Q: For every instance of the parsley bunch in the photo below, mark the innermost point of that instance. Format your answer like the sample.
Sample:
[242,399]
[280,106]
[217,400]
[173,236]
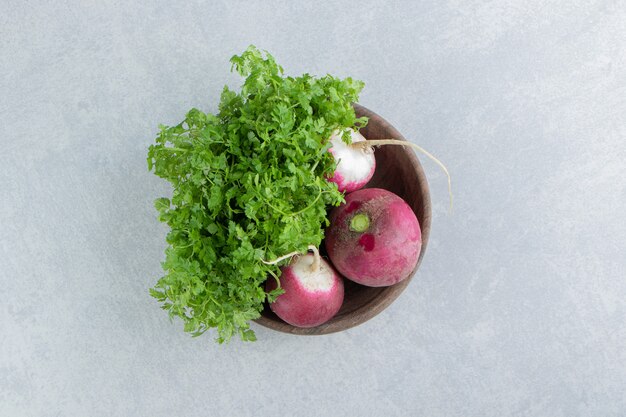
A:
[248,184]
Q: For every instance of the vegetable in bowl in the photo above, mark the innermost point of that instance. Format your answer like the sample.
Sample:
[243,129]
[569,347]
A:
[248,183]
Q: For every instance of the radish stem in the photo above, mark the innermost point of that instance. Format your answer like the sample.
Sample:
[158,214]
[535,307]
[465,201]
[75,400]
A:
[282,258]
[315,266]
[360,223]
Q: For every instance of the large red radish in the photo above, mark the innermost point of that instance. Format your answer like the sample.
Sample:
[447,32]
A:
[313,291]
[374,238]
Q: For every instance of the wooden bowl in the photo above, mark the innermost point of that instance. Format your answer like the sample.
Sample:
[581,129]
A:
[399,171]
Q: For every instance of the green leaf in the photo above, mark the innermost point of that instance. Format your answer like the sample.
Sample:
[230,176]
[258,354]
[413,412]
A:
[162,204]
[248,336]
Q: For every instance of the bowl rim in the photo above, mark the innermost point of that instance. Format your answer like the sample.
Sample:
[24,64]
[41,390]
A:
[388,295]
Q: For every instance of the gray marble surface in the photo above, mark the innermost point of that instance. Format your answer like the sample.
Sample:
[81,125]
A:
[519,307]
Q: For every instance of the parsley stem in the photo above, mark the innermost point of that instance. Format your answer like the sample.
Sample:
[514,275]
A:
[275,277]
[277,209]
[299,211]
[174,149]
[319,194]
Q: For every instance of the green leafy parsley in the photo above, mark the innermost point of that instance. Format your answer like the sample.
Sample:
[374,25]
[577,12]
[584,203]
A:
[248,184]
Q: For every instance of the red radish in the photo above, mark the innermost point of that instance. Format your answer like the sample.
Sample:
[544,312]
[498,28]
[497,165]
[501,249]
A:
[355,167]
[374,238]
[356,162]
[313,291]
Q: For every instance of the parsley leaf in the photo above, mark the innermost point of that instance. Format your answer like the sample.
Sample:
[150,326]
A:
[248,184]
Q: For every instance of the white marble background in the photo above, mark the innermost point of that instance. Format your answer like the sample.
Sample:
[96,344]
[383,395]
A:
[519,307]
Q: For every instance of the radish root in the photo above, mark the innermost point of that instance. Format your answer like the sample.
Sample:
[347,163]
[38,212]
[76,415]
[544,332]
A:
[369,144]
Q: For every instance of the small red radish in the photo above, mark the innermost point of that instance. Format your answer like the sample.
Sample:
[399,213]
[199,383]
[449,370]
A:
[374,238]
[356,162]
[355,167]
[313,291]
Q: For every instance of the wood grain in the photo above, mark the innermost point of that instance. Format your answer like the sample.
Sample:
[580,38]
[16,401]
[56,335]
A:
[397,170]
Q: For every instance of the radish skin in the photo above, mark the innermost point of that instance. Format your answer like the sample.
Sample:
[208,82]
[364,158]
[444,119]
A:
[374,238]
